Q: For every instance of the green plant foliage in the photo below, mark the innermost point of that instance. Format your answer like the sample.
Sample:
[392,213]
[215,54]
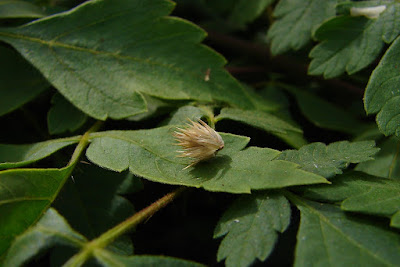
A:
[19,9]
[329,160]
[250,228]
[382,94]
[363,193]
[296,21]
[326,234]
[20,82]
[24,196]
[244,11]
[386,163]
[133,58]
[13,156]
[151,154]
[63,116]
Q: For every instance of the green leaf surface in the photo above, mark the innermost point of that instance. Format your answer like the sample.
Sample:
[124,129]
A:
[245,11]
[182,114]
[103,68]
[13,156]
[385,163]
[20,82]
[360,192]
[19,9]
[329,160]
[251,227]
[151,154]
[50,230]
[327,237]
[347,44]
[108,259]
[296,20]
[24,195]
[382,93]
[63,116]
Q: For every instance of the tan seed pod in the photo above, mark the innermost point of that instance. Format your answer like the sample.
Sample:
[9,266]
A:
[199,142]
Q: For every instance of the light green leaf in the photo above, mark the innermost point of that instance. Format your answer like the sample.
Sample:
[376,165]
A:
[108,259]
[63,116]
[19,9]
[103,68]
[382,93]
[151,154]
[360,192]
[13,156]
[385,163]
[347,44]
[296,21]
[329,160]
[328,237]
[52,229]
[251,227]
[24,195]
[20,82]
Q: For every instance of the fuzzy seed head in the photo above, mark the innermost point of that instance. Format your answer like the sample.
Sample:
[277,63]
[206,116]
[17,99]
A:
[198,141]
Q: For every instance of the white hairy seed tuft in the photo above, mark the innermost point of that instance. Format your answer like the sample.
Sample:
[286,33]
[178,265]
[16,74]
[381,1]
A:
[199,142]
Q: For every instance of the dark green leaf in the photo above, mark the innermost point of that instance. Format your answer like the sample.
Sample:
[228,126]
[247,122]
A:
[245,11]
[329,160]
[151,154]
[52,229]
[63,116]
[24,195]
[13,156]
[19,9]
[181,116]
[251,225]
[20,82]
[296,21]
[103,68]
[327,237]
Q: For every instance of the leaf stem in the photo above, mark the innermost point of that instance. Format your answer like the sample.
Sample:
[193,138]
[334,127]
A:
[109,236]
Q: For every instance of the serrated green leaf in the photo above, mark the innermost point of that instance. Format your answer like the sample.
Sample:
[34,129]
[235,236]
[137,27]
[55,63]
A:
[106,258]
[103,68]
[151,154]
[63,116]
[327,237]
[329,160]
[385,163]
[24,195]
[382,93]
[348,44]
[250,228]
[20,82]
[360,192]
[13,156]
[19,9]
[50,230]
[296,22]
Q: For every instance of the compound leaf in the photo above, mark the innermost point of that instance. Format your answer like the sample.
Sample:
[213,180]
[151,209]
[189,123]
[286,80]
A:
[251,227]
[329,160]
[103,68]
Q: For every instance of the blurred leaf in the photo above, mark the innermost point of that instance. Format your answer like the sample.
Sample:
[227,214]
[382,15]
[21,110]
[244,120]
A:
[63,116]
[20,82]
[327,237]
[108,259]
[244,11]
[296,20]
[14,156]
[385,163]
[103,68]
[360,192]
[52,229]
[382,94]
[250,228]
[19,9]
[151,154]
[329,160]
[25,195]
